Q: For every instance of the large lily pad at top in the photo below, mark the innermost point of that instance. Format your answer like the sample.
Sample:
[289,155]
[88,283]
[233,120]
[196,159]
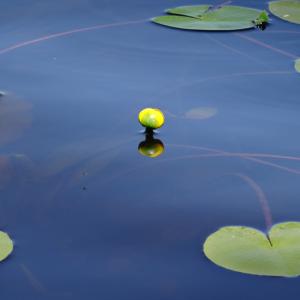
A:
[6,245]
[297,65]
[204,17]
[250,251]
[288,10]
[194,11]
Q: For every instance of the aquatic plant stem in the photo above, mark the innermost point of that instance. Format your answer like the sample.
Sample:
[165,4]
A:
[66,33]
[284,31]
[261,198]
[247,156]
[212,153]
[265,45]
[179,86]
[234,50]
[33,280]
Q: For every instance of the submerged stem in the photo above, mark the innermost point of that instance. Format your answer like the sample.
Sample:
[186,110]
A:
[262,200]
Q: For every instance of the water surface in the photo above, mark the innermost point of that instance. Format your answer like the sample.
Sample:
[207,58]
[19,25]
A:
[90,216]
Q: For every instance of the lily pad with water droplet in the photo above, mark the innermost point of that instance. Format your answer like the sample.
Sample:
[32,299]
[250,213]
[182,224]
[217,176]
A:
[205,17]
[297,65]
[288,10]
[6,245]
[247,250]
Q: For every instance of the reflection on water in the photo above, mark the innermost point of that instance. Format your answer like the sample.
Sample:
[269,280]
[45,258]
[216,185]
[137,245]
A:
[96,209]
[201,113]
[196,113]
[14,168]
[5,171]
[151,146]
[15,117]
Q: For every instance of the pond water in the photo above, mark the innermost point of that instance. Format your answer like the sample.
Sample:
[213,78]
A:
[89,215]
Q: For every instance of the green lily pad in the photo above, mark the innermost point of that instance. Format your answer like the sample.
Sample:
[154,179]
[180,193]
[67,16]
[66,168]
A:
[297,65]
[6,245]
[250,251]
[194,11]
[288,10]
[203,17]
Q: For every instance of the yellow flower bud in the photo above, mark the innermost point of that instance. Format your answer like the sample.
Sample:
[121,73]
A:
[152,118]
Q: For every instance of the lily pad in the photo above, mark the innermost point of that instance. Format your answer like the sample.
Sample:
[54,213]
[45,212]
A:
[195,11]
[6,245]
[288,10]
[205,17]
[247,250]
[297,65]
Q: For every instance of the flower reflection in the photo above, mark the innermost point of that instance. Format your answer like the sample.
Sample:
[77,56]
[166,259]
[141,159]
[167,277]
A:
[151,146]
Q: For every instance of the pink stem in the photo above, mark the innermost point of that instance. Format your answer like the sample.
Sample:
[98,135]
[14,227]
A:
[265,45]
[65,33]
[261,197]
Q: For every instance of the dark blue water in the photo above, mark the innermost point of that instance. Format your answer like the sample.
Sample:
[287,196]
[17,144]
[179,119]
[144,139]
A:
[92,218]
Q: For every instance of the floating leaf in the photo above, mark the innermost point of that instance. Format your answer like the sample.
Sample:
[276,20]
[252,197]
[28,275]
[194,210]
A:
[6,245]
[201,113]
[250,251]
[194,11]
[288,10]
[297,65]
[203,17]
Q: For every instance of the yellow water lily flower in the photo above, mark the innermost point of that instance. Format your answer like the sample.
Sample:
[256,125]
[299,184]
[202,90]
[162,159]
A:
[152,118]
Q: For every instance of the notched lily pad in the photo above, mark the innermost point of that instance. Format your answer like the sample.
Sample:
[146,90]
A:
[206,17]
[250,251]
[297,65]
[194,11]
[288,10]
[6,245]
